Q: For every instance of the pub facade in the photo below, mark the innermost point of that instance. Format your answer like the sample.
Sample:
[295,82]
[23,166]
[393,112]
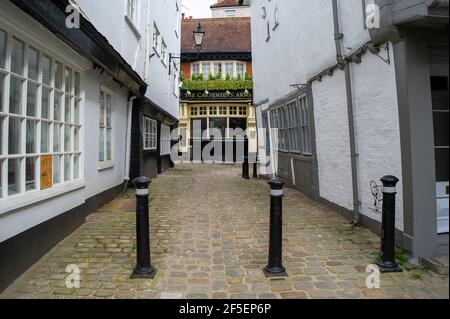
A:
[216,96]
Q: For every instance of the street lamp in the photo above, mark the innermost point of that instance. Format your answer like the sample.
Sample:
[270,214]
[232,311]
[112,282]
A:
[199,35]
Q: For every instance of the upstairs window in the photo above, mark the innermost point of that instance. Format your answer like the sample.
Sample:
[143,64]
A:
[132,10]
[156,39]
[230,13]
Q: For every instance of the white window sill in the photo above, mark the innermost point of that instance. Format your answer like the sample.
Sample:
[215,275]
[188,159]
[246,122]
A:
[150,149]
[133,28]
[105,165]
[33,197]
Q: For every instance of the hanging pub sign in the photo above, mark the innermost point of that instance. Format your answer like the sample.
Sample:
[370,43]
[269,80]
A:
[245,95]
[46,172]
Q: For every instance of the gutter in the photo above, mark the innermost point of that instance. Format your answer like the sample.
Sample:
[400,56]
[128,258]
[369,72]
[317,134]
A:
[344,64]
[128,143]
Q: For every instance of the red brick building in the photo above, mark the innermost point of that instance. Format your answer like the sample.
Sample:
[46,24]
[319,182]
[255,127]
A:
[217,79]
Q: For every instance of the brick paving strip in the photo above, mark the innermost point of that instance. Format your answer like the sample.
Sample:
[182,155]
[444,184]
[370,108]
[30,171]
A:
[209,231]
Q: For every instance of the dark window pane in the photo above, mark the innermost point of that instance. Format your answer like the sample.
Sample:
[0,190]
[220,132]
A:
[198,126]
[33,64]
[30,174]
[15,96]
[13,176]
[17,56]
[45,112]
[32,99]
[442,165]
[31,137]
[440,128]
[2,48]
[47,70]
[439,92]
[219,124]
[14,136]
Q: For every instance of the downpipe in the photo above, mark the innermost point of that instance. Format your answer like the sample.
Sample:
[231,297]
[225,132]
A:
[343,64]
[128,144]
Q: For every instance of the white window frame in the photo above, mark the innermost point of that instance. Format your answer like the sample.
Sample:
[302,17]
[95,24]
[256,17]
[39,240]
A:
[223,68]
[23,196]
[165,140]
[231,13]
[156,40]
[152,136]
[105,163]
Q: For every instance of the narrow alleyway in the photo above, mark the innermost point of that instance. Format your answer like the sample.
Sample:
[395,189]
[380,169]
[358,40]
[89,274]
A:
[209,231]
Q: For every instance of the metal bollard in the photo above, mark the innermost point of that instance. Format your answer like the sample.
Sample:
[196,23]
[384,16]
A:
[245,165]
[255,169]
[387,263]
[143,268]
[275,266]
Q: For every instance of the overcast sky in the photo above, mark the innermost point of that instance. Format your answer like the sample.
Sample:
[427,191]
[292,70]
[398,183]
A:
[197,8]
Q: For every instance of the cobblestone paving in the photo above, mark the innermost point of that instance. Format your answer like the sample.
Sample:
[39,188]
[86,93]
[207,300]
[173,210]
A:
[209,231]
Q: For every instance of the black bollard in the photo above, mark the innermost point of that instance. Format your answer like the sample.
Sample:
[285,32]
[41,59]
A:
[245,165]
[275,266]
[255,169]
[387,263]
[143,268]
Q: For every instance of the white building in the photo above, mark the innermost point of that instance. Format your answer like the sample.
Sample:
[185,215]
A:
[349,90]
[77,120]
[231,9]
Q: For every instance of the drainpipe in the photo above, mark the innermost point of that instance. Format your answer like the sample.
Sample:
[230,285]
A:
[343,64]
[128,143]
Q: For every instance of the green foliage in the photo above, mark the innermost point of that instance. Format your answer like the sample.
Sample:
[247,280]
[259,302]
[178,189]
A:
[239,78]
[201,77]
[211,77]
[247,77]
[217,85]
[228,77]
[182,77]
[194,77]
[218,76]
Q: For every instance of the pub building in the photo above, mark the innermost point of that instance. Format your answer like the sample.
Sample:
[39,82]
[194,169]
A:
[217,87]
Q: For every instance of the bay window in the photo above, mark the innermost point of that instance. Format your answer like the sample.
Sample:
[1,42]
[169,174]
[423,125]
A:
[37,118]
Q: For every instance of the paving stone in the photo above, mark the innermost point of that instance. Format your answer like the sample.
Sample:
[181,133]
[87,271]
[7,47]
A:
[215,246]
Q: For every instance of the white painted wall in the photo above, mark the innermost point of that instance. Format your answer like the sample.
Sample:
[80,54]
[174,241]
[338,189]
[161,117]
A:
[332,140]
[377,129]
[240,12]
[134,41]
[34,208]
[302,46]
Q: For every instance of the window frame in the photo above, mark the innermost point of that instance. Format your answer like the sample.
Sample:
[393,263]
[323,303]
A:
[153,136]
[106,163]
[25,195]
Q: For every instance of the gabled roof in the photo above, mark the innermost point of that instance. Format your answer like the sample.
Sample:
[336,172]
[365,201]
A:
[230,3]
[221,35]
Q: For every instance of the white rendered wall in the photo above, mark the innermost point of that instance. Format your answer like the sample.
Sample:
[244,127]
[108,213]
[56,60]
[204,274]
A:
[134,41]
[332,140]
[240,12]
[377,129]
[72,195]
